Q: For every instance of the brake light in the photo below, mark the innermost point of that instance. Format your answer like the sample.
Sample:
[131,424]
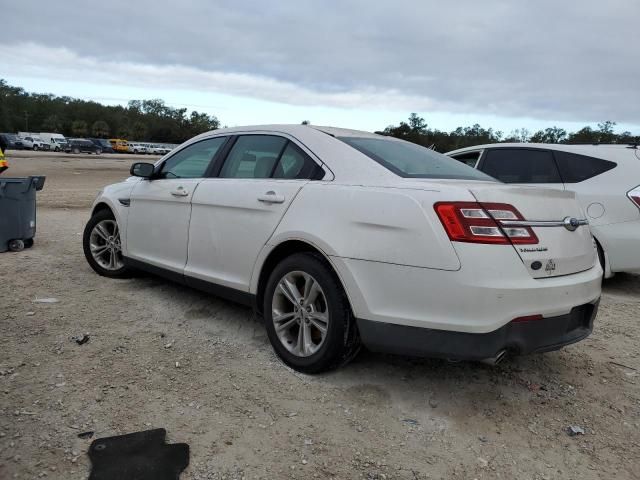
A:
[634,196]
[528,318]
[477,223]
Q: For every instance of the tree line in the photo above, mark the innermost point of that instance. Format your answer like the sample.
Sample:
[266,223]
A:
[416,130]
[142,120]
[154,121]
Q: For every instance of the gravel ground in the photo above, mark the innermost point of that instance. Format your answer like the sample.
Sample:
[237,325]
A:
[161,355]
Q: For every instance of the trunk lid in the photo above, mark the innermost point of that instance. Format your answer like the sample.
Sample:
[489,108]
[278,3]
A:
[560,250]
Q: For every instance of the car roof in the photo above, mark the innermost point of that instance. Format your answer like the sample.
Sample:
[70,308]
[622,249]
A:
[549,146]
[344,161]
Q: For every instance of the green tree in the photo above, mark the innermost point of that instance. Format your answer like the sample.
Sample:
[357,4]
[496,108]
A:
[100,129]
[79,128]
[605,130]
[549,135]
[139,131]
[52,124]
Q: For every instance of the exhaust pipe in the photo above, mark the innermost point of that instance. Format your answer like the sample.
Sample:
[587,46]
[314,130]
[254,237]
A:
[495,360]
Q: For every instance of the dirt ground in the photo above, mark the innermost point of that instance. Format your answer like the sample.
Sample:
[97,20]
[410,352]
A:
[161,355]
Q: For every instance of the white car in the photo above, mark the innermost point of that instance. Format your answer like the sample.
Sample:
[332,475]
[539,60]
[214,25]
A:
[137,148]
[606,179]
[32,142]
[340,238]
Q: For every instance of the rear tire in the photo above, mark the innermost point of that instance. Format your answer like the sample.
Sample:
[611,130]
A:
[28,243]
[310,351]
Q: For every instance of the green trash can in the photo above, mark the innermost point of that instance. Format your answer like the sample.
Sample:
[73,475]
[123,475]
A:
[18,211]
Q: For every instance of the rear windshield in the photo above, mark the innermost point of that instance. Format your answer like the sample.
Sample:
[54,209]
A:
[413,161]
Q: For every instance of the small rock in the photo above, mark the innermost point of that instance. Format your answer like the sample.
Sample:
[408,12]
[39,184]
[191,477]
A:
[85,435]
[168,345]
[574,430]
[433,403]
[46,300]
[411,421]
[308,441]
[483,463]
[177,364]
[30,314]
[483,439]
[304,461]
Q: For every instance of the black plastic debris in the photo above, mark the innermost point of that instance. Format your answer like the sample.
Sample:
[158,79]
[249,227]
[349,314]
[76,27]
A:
[140,455]
[81,339]
[85,435]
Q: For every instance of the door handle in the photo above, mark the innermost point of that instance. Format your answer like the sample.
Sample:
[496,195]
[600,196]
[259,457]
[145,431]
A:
[271,197]
[180,192]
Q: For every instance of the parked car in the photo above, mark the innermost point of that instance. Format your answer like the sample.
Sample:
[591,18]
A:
[103,144]
[32,141]
[82,145]
[340,237]
[57,142]
[137,148]
[12,141]
[160,150]
[605,177]
[119,145]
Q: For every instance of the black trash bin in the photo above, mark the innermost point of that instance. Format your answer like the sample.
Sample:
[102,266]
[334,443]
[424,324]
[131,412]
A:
[18,211]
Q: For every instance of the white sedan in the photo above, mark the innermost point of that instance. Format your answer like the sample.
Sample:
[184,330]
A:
[341,238]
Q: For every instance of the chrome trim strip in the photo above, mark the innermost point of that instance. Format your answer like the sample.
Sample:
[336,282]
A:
[541,223]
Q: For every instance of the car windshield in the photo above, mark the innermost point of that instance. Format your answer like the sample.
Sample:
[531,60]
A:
[413,161]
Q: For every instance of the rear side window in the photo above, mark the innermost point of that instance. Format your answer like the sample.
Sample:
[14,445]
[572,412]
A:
[576,168]
[511,165]
[269,156]
[412,161]
[294,163]
[253,156]
[468,158]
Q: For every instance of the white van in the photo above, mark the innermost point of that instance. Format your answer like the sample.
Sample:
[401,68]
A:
[56,141]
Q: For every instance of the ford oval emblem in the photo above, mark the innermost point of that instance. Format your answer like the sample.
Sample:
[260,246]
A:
[571,223]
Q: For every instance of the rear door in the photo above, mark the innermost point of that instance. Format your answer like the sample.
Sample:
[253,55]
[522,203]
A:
[236,213]
[522,166]
[561,248]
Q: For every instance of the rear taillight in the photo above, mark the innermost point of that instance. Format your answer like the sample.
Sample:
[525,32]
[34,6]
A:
[634,196]
[477,223]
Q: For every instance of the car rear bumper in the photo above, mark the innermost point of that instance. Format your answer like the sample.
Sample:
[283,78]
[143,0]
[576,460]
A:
[542,335]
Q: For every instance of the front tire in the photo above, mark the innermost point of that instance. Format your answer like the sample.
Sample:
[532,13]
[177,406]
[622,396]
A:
[102,246]
[307,315]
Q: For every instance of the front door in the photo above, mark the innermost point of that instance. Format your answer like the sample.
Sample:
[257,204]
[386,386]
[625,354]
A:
[160,208]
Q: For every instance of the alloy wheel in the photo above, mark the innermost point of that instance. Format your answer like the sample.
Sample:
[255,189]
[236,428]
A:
[300,313]
[105,246]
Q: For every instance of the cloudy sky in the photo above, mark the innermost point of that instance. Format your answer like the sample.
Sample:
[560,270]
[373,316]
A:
[354,63]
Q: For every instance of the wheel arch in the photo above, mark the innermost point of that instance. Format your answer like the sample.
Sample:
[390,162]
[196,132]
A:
[283,250]
[100,206]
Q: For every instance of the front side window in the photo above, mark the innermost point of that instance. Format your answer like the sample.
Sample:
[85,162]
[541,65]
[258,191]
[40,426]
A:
[518,165]
[577,168]
[412,161]
[192,161]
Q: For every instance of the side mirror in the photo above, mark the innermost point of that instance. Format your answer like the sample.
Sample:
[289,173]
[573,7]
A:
[142,169]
